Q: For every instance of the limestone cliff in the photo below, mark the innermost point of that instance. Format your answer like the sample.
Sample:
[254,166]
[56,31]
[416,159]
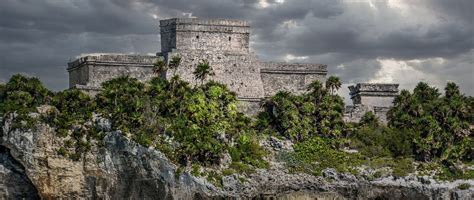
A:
[30,168]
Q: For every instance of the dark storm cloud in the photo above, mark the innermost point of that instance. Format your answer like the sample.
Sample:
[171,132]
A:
[72,16]
[38,37]
[460,9]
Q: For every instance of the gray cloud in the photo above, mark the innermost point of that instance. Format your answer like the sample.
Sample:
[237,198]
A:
[354,37]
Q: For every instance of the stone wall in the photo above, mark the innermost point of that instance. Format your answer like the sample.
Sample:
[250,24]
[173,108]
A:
[90,71]
[292,77]
[354,113]
[204,34]
[240,72]
[376,94]
[370,97]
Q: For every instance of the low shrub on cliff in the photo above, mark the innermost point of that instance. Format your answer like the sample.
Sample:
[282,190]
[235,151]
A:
[21,95]
[71,118]
[74,108]
[380,141]
[317,153]
[122,101]
[2,98]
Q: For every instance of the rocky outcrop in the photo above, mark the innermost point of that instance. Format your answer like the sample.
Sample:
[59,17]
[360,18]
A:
[122,169]
[14,183]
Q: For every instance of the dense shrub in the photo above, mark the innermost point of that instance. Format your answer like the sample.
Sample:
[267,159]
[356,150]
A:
[74,107]
[248,150]
[299,117]
[122,101]
[21,95]
[381,141]
[440,125]
[317,153]
[200,120]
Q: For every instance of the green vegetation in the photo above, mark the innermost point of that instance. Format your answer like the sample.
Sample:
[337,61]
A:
[299,117]
[423,126]
[464,186]
[318,153]
[202,71]
[196,125]
[21,95]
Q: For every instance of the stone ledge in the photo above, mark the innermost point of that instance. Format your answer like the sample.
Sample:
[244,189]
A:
[250,99]
[209,22]
[381,94]
[86,88]
[296,67]
[114,60]
[277,71]
[367,88]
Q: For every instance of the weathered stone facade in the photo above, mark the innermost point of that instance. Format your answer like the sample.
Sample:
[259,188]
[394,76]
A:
[223,43]
[90,71]
[366,97]
[292,77]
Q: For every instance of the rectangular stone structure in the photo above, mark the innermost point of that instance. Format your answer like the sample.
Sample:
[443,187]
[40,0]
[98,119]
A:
[205,34]
[90,71]
[292,77]
[370,97]
[373,94]
[223,43]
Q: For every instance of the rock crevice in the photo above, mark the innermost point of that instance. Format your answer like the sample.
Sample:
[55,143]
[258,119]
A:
[14,183]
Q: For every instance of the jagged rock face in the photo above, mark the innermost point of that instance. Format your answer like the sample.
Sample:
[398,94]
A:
[121,169]
[14,183]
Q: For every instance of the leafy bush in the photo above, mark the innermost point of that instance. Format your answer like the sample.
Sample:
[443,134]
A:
[299,117]
[369,119]
[380,141]
[247,150]
[21,95]
[122,101]
[464,186]
[201,120]
[441,125]
[74,108]
[317,154]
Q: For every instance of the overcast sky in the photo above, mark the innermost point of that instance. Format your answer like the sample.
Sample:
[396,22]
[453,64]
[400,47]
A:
[396,41]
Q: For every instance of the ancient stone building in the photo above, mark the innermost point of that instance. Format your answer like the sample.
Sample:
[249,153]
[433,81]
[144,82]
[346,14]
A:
[89,71]
[375,97]
[223,43]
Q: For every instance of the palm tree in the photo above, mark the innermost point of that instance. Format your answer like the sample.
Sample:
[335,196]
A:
[203,70]
[159,67]
[333,84]
[268,104]
[174,63]
[451,90]
[317,90]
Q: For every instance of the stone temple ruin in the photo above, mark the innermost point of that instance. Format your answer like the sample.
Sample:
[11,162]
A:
[370,97]
[224,43]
